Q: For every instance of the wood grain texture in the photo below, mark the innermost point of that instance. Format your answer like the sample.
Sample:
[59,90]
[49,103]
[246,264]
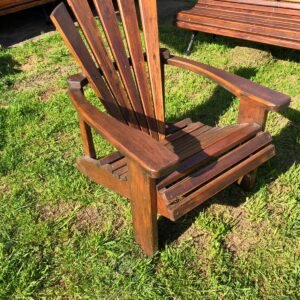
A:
[107,15]
[94,170]
[85,17]
[212,170]
[132,33]
[270,22]
[211,149]
[144,208]
[166,169]
[64,24]
[87,138]
[148,11]
[180,208]
[117,134]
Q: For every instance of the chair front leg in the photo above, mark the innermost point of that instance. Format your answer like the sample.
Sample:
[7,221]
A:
[143,208]
[250,112]
[87,138]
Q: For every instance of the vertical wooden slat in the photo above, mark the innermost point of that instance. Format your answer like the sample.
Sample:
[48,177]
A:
[85,17]
[109,22]
[131,28]
[148,10]
[64,24]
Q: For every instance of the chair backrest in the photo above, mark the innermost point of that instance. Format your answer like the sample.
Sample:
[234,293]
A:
[129,84]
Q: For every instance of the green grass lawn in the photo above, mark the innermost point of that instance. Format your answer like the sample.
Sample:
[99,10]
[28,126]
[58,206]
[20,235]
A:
[62,236]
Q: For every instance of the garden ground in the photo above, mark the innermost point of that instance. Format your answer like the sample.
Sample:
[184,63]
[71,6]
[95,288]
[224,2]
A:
[62,236]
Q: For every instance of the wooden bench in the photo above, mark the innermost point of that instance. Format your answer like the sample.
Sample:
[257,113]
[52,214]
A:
[11,6]
[271,22]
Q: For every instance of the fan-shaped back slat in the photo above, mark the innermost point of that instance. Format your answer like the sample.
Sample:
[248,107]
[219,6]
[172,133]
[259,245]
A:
[133,94]
[148,11]
[110,25]
[89,27]
[131,29]
[64,24]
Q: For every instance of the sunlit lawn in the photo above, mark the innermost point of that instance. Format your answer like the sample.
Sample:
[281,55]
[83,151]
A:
[62,236]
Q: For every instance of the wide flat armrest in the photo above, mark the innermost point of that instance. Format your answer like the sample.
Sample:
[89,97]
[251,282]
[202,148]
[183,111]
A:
[271,100]
[152,156]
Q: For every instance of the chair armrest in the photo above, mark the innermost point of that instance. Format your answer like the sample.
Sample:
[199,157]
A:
[269,99]
[152,156]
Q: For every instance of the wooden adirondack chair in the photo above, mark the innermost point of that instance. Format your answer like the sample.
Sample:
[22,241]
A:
[165,169]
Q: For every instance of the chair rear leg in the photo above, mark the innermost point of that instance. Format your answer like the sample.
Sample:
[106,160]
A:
[247,182]
[190,46]
[144,208]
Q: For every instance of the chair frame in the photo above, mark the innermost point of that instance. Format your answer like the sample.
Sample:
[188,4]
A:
[138,147]
[146,169]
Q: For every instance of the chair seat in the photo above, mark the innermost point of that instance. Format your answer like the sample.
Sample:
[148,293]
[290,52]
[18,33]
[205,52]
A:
[211,158]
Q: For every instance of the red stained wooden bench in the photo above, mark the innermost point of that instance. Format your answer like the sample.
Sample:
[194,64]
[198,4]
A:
[271,22]
[11,6]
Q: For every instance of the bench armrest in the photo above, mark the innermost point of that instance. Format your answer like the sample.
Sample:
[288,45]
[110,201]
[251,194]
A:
[269,99]
[152,156]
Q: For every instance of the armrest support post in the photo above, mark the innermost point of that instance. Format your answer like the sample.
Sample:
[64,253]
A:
[250,112]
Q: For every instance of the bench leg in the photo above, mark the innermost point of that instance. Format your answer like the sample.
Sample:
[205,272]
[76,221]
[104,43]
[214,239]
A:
[143,208]
[190,46]
[46,15]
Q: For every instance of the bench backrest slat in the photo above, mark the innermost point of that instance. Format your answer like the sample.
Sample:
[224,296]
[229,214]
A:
[295,4]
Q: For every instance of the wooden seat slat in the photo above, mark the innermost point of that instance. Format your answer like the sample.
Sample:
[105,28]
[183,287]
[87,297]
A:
[110,158]
[215,168]
[177,210]
[181,133]
[192,142]
[212,150]
[172,128]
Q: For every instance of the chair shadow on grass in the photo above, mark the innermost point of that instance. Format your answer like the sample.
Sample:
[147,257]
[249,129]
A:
[287,151]
[8,66]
